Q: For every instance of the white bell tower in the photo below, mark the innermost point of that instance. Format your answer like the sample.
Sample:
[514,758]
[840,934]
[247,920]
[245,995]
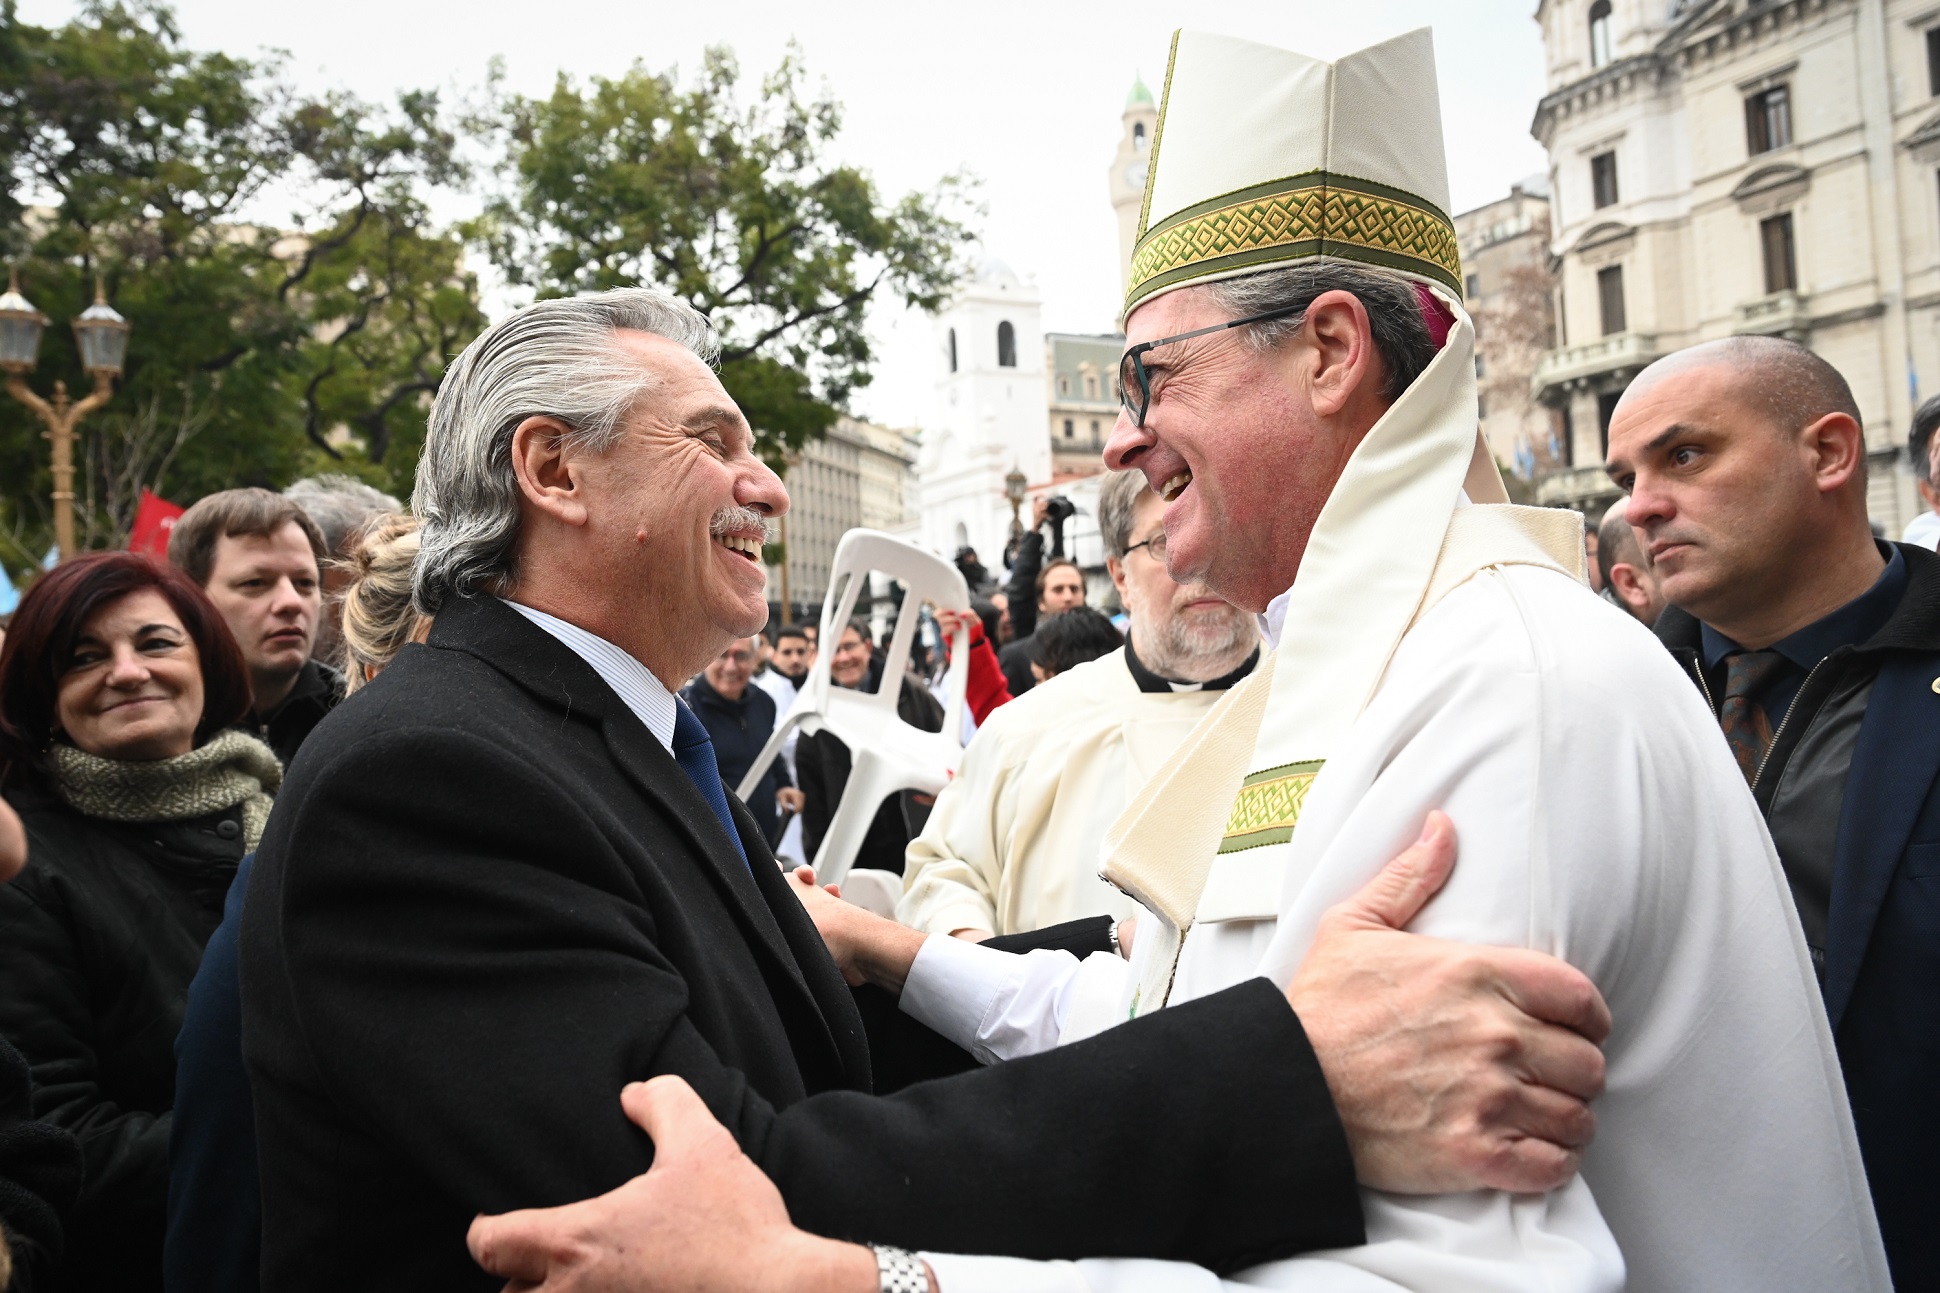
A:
[989,415]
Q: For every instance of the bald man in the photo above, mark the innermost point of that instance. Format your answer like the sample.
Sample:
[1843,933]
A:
[1629,579]
[1819,650]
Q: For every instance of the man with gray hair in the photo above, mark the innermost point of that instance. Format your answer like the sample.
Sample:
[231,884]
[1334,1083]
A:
[508,881]
[343,509]
[1012,844]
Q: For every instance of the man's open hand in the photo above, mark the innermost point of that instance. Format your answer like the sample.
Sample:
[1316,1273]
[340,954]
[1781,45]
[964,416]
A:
[1453,1066]
[702,1219]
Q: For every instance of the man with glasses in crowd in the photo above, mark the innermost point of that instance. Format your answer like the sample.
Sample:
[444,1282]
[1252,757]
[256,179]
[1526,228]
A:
[1012,844]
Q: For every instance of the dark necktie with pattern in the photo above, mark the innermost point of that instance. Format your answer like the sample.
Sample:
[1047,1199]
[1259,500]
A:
[694,752]
[1746,729]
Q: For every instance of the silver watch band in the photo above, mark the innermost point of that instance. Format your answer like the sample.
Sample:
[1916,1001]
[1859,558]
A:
[900,1271]
[1111,933]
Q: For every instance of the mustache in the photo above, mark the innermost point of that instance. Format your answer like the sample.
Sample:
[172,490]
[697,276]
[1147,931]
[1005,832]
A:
[736,519]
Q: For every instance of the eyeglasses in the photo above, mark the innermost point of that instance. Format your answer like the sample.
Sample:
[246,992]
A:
[1154,545]
[1135,384]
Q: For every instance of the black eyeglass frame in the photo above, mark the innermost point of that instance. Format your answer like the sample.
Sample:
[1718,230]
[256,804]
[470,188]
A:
[1136,358]
[1158,538]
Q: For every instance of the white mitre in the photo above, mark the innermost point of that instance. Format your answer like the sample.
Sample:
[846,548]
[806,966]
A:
[1262,159]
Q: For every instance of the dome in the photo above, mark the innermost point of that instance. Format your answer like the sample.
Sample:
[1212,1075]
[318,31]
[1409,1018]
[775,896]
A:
[1140,96]
[993,270]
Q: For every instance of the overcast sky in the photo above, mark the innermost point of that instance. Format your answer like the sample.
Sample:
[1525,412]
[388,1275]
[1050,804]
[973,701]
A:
[1026,96]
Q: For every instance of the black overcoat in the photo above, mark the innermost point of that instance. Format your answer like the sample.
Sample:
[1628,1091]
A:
[488,898]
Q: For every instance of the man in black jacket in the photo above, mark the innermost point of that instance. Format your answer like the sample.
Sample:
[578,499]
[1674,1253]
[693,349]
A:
[739,720]
[505,881]
[1819,648]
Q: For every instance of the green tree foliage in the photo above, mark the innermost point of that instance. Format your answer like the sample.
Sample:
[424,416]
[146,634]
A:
[731,201]
[151,167]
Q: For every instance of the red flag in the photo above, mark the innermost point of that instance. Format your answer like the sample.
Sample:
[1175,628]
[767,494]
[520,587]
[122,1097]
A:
[153,520]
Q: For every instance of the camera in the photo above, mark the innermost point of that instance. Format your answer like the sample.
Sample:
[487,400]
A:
[1058,509]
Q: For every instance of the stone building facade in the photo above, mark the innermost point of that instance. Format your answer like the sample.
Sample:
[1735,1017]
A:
[1081,376]
[1742,166]
[1509,292]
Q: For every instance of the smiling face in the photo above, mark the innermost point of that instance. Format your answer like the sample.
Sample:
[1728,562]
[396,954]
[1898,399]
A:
[1185,632]
[1244,445]
[729,672]
[267,588]
[655,542]
[133,688]
[851,662]
[1718,495]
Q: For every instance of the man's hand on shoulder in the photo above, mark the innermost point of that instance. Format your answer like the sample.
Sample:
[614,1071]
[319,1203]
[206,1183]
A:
[702,1219]
[1453,1066]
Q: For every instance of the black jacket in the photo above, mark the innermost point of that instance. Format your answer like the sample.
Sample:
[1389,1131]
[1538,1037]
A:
[99,938]
[318,690]
[823,762]
[739,728]
[40,1173]
[488,898]
[1880,966]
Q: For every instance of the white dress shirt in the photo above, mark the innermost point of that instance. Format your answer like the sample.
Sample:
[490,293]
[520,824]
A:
[632,681]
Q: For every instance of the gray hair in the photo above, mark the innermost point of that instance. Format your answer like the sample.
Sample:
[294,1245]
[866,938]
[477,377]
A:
[1117,499]
[1393,311]
[342,507]
[553,358]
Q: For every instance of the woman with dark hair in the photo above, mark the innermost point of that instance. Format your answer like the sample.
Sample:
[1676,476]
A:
[118,683]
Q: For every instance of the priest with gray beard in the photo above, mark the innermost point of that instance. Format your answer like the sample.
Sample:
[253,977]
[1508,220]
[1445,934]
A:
[1012,844]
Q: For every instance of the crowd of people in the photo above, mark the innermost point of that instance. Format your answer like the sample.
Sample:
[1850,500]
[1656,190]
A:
[378,907]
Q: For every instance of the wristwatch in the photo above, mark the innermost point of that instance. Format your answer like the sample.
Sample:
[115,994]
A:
[900,1271]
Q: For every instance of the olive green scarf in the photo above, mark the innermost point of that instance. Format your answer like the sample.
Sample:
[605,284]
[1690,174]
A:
[227,770]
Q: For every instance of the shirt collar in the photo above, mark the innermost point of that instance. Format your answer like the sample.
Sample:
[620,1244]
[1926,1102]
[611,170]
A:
[1152,683]
[1273,620]
[630,680]
[1850,625]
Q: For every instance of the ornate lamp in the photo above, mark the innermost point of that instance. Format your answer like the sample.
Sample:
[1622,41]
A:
[102,336]
[1015,484]
[20,328]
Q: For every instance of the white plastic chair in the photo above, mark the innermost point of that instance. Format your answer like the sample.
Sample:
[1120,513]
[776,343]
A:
[886,754]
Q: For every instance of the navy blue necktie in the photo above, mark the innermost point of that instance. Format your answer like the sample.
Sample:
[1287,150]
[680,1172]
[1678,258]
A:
[694,752]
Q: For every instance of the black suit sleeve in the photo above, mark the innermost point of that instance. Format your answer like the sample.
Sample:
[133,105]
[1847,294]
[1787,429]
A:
[475,988]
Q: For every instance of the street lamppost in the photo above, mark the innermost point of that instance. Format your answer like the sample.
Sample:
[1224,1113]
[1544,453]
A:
[102,337]
[1015,484]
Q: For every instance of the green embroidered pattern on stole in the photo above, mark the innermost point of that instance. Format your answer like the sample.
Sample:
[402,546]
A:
[1315,214]
[1268,806]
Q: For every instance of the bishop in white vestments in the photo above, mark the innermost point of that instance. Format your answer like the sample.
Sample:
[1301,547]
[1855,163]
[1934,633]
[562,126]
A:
[1437,649]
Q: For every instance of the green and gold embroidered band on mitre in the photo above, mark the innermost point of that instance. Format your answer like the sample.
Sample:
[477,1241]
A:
[1312,215]
[1268,805]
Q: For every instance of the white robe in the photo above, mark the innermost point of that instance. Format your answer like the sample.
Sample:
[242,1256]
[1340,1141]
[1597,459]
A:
[1601,819]
[1012,843]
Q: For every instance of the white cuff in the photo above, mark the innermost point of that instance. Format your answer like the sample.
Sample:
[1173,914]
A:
[956,1273]
[952,985]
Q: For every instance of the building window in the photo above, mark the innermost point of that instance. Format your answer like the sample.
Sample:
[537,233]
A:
[1478,365]
[1138,136]
[1064,385]
[1606,407]
[1933,60]
[1094,428]
[1006,345]
[1069,428]
[1768,119]
[953,350]
[1091,386]
[1781,266]
[1603,179]
[1472,286]
[1481,407]
[1609,295]
[1600,33]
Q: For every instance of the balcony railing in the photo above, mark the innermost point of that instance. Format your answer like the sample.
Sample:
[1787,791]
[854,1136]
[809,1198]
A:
[1779,312]
[1621,352]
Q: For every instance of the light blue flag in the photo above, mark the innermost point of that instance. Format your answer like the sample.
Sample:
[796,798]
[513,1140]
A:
[9,595]
[52,559]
